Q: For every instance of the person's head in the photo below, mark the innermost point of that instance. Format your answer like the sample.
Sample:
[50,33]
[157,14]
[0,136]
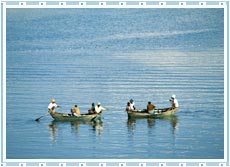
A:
[173,96]
[131,100]
[53,101]
[75,105]
[128,104]
[98,104]
[149,102]
[93,104]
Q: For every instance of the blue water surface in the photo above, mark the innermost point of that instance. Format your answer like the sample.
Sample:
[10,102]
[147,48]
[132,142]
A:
[80,56]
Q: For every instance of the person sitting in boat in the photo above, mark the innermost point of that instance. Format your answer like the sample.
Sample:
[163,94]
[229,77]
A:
[128,107]
[132,104]
[92,109]
[75,111]
[174,101]
[52,106]
[150,108]
[99,108]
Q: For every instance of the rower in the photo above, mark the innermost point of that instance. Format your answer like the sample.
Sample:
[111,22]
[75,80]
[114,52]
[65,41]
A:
[99,108]
[132,104]
[150,108]
[174,101]
[75,111]
[52,106]
[92,109]
[128,107]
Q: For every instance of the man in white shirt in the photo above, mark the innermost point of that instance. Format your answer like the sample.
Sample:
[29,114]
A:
[52,106]
[132,104]
[174,101]
[99,108]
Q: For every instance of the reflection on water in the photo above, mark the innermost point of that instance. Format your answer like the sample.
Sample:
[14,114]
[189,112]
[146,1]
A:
[97,127]
[174,122]
[132,122]
[53,130]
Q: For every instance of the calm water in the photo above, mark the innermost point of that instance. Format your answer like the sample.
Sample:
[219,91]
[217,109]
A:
[80,56]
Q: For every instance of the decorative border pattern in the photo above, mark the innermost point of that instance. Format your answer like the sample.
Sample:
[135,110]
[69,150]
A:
[112,164]
[113,4]
[4,4]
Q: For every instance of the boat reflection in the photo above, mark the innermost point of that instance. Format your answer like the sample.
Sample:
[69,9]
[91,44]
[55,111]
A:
[54,127]
[132,122]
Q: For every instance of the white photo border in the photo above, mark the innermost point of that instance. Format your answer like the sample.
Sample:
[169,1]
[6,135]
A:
[112,4]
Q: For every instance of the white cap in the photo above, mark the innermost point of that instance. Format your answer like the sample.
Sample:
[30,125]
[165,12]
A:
[98,103]
[173,96]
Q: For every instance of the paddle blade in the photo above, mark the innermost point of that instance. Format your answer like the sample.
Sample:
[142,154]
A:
[37,119]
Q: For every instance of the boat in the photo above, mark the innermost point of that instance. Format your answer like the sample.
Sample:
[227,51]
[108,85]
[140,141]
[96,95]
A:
[157,113]
[82,118]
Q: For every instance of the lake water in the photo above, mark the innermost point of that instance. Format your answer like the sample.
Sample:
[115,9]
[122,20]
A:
[80,56]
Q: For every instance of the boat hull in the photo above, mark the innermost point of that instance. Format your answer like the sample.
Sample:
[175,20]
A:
[158,113]
[81,118]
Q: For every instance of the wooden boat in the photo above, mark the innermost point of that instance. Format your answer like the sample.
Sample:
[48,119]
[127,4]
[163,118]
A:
[157,113]
[81,118]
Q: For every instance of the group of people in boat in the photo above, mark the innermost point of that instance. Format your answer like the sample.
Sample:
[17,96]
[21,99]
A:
[75,110]
[95,109]
[150,107]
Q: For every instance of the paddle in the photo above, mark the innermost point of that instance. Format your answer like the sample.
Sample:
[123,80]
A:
[42,116]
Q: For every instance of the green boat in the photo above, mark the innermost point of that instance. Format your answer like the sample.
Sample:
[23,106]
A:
[157,113]
[81,118]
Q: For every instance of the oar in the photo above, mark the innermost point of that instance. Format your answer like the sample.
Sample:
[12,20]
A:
[42,116]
